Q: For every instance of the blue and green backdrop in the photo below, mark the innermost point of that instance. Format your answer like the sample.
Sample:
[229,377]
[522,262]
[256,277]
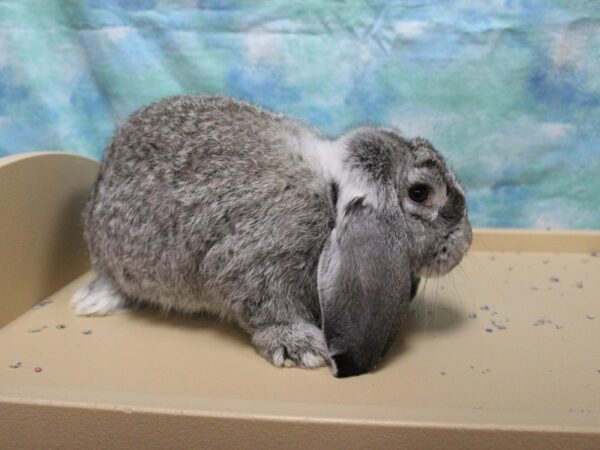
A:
[508,90]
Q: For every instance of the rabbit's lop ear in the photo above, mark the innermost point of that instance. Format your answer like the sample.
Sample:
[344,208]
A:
[364,282]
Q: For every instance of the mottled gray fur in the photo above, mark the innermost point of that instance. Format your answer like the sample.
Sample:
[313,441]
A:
[204,204]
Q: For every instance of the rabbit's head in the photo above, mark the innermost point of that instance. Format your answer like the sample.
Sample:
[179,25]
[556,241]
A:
[434,208]
[401,214]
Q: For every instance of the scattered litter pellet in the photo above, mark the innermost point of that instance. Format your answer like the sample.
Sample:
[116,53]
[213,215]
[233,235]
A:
[544,321]
[86,331]
[534,288]
[472,315]
[509,269]
[492,258]
[442,373]
[555,279]
[594,254]
[37,369]
[499,326]
[61,326]
[579,284]
[590,317]
[489,330]
[15,365]
[42,303]
[38,329]
[472,367]
[545,261]
[485,308]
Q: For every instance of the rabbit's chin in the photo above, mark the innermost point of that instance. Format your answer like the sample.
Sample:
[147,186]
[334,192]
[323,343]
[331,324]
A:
[449,254]
[439,267]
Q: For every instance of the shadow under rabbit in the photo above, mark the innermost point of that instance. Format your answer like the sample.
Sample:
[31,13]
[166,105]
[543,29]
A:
[444,317]
[420,320]
[204,322]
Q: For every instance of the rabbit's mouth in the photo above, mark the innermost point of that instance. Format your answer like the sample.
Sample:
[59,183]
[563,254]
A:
[450,251]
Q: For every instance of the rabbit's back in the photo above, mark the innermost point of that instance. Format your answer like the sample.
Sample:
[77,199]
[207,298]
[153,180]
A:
[202,205]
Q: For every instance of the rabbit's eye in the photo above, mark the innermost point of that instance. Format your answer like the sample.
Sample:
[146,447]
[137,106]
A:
[418,193]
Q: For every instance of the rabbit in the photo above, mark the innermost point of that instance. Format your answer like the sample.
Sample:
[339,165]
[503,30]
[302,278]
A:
[314,246]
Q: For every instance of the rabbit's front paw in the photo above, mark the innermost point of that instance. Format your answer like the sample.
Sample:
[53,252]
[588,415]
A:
[298,344]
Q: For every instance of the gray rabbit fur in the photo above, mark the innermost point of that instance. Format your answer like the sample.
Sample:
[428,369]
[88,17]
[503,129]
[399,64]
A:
[313,246]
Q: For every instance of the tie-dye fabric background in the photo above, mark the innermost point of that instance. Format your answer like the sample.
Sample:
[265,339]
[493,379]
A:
[509,90]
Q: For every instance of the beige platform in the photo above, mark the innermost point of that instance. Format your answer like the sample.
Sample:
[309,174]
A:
[503,353]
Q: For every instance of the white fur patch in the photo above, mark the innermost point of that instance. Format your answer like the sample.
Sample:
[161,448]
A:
[311,360]
[98,298]
[308,360]
[328,159]
[323,155]
[277,358]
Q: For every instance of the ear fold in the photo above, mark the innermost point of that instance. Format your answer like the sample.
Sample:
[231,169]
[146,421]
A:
[414,287]
[364,285]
